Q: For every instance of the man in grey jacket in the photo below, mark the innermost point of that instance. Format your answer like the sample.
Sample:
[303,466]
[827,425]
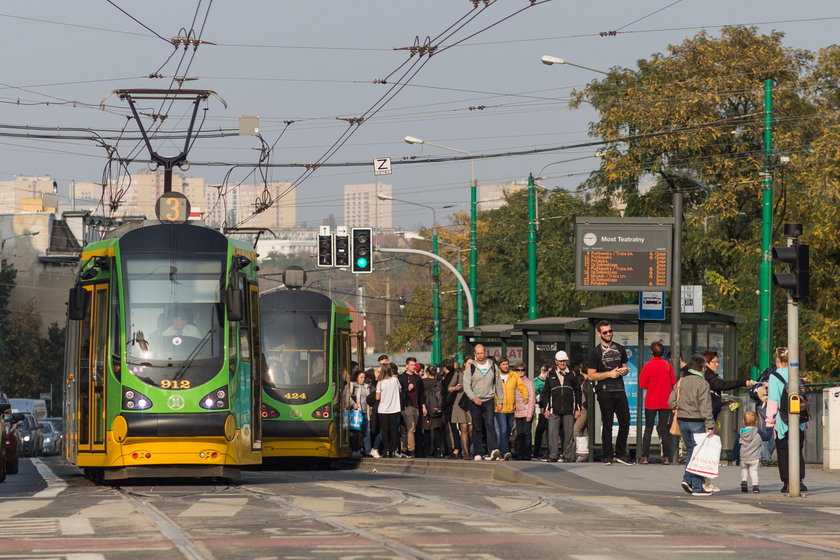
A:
[481,385]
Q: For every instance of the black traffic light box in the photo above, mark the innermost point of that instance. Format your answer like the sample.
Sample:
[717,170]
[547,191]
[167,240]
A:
[362,250]
[342,250]
[325,250]
[796,279]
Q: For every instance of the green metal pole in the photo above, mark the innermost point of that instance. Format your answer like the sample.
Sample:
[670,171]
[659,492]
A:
[765,269]
[532,248]
[436,349]
[460,319]
[473,247]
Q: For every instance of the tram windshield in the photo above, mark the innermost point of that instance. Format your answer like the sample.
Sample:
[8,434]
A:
[295,345]
[173,331]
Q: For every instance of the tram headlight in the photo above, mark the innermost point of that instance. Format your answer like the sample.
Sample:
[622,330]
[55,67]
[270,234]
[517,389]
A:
[133,400]
[215,400]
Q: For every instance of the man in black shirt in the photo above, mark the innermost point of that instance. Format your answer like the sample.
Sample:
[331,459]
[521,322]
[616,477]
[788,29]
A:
[607,366]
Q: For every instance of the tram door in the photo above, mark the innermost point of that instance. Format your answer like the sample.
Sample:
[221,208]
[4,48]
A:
[344,373]
[92,371]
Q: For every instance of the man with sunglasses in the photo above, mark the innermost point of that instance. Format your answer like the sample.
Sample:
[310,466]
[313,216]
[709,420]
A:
[607,368]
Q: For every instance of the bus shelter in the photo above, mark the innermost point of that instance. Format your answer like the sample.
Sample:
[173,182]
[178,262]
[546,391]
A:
[498,340]
[709,330]
[542,338]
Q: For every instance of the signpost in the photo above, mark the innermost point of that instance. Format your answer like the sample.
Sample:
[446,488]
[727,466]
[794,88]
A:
[623,254]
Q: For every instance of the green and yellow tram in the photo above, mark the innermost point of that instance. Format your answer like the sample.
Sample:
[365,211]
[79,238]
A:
[309,350]
[163,355]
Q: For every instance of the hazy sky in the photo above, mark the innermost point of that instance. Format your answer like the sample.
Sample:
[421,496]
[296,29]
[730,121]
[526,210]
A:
[315,62]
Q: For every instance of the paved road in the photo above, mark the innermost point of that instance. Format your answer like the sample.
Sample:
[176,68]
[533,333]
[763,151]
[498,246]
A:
[412,509]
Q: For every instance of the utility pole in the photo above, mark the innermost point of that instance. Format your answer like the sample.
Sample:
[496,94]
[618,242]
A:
[676,285]
[765,269]
[532,248]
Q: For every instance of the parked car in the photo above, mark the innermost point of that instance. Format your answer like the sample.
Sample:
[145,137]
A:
[13,441]
[4,408]
[51,441]
[32,436]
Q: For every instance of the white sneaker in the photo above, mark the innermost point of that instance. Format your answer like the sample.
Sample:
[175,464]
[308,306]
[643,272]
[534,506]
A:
[709,487]
[477,458]
[494,455]
[374,453]
[507,456]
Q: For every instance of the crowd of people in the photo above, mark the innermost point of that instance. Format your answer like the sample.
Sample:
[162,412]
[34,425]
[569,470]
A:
[487,410]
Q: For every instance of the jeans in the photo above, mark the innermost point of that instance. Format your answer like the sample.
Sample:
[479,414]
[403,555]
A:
[523,438]
[567,423]
[662,428]
[484,427]
[688,429]
[504,425]
[389,424]
[542,427]
[768,446]
[614,403]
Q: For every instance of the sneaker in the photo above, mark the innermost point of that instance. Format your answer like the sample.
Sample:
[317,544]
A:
[744,487]
[755,490]
[709,487]
[545,459]
[785,489]
[561,460]
[701,492]
[608,461]
[375,453]
[507,456]
[494,455]
[643,461]
[802,487]
[624,461]
[477,458]
[666,461]
[686,486]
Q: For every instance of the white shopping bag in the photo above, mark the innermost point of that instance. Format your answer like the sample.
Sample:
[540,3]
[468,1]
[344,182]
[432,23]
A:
[582,445]
[705,459]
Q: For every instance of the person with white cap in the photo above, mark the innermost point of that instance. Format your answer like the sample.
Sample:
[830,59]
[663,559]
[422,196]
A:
[560,402]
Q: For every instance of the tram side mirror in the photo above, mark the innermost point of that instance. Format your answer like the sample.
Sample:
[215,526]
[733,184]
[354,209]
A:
[76,307]
[233,303]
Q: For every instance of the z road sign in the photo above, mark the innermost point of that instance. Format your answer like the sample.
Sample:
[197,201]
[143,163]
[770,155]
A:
[382,166]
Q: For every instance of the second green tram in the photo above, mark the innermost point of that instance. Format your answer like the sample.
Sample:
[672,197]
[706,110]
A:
[309,344]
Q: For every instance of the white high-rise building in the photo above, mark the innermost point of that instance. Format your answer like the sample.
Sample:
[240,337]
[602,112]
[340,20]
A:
[492,195]
[363,208]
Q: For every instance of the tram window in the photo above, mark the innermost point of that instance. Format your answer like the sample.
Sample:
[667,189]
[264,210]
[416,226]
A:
[294,344]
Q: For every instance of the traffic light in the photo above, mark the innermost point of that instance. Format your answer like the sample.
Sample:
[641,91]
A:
[362,250]
[796,279]
[342,250]
[325,250]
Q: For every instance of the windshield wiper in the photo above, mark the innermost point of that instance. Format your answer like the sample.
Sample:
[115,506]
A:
[191,358]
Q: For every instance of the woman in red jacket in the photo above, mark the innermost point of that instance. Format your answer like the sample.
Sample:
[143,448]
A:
[658,379]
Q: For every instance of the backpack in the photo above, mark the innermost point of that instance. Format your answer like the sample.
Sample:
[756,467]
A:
[434,402]
[763,378]
[784,402]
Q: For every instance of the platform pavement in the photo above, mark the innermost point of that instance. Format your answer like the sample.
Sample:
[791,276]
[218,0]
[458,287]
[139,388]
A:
[823,485]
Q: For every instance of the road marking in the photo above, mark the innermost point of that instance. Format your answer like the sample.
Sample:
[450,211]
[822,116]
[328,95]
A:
[55,485]
[215,507]
[366,492]
[16,507]
[320,505]
[108,509]
[832,510]
[734,508]
[28,528]
[75,526]
[625,502]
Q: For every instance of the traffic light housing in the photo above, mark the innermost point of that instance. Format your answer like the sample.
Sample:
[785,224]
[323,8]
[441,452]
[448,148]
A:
[796,279]
[362,250]
[325,250]
[342,250]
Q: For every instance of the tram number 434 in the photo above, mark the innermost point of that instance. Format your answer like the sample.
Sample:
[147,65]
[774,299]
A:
[175,384]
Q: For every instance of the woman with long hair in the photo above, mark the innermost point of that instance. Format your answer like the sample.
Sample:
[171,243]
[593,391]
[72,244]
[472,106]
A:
[388,395]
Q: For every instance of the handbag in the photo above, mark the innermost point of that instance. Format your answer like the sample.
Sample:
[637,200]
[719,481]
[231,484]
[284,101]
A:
[705,458]
[356,420]
[464,402]
[674,430]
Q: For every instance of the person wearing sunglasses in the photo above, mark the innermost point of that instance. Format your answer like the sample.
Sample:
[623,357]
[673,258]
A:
[607,368]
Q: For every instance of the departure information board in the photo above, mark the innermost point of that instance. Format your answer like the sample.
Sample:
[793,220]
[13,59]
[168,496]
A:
[623,254]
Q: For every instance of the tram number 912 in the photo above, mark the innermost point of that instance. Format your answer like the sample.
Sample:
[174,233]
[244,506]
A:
[175,384]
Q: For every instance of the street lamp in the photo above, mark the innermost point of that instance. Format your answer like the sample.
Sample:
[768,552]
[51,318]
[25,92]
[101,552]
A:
[436,341]
[3,243]
[473,217]
[549,60]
